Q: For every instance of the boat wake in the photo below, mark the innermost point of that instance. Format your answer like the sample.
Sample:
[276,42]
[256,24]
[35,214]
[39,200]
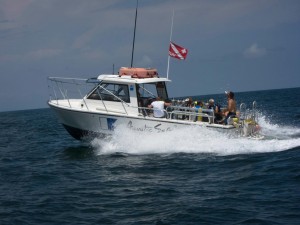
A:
[198,140]
[275,131]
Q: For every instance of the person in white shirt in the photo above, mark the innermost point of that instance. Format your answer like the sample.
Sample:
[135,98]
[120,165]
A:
[158,107]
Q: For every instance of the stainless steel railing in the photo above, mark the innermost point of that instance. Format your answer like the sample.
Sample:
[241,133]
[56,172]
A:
[59,89]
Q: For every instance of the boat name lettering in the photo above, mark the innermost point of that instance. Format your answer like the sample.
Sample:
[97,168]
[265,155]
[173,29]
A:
[143,128]
[147,128]
[157,128]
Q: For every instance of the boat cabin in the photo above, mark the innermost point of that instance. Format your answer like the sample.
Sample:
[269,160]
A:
[127,92]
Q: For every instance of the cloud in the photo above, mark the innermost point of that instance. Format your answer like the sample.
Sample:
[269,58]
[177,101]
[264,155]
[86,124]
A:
[145,61]
[33,55]
[12,9]
[93,55]
[254,51]
[84,39]
[43,53]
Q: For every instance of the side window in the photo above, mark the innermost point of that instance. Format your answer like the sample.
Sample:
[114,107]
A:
[111,92]
[161,90]
[152,90]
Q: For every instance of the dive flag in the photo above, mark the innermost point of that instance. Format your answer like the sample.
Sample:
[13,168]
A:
[177,51]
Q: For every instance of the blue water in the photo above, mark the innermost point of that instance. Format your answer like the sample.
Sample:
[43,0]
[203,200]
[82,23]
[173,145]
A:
[194,176]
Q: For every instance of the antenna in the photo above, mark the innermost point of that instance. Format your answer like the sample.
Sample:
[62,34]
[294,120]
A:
[134,33]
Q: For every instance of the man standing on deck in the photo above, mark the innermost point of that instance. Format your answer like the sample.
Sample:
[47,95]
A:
[231,108]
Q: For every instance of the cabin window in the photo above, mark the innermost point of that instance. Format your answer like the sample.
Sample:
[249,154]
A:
[161,90]
[152,90]
[111,92]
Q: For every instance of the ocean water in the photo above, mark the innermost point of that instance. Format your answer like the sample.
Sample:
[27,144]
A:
[189,176]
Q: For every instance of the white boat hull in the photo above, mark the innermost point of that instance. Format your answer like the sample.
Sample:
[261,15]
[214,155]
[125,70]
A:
[83,124]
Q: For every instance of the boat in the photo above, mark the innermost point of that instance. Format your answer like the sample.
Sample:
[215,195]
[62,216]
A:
[94,107]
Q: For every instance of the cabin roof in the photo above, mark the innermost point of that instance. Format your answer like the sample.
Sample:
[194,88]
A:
[130,80]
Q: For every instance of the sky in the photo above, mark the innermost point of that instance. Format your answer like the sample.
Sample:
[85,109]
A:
[237,45]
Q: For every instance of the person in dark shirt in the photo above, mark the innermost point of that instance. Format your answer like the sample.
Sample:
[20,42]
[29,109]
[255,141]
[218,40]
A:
[216,108]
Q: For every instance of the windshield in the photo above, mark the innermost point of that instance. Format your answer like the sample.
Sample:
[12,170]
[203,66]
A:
[152,90]
[110,92]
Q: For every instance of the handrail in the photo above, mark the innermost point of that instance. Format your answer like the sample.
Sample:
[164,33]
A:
[254,111]
[189,109]
[209,113]
[115,97]
[60,81]
[192,113]
[243,109]
[65,78]
[248,113]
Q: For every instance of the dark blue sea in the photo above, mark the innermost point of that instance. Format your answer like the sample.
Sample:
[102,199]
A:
[194,176]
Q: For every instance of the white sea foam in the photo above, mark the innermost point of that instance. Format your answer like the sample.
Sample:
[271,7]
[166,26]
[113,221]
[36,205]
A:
[277,131]
[198,140]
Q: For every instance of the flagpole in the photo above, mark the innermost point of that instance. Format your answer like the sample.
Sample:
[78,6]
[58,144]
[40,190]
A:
[169,45]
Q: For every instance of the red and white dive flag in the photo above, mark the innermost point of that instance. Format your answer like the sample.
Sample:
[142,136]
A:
[177,51]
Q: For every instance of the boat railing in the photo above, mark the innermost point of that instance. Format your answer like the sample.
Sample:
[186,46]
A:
[182,113]
[67,88]
[192,114]
[246,113]
[116,97]
[254,113]
[73,88]
[243,110]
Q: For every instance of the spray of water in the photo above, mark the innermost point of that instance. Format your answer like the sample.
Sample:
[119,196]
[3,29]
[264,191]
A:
[275,131]
[198,140]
